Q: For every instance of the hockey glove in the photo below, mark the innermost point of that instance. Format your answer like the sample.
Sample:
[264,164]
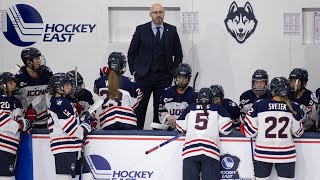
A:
[242,128]
[105,71]
[31,114]
[25,125]
[78,107]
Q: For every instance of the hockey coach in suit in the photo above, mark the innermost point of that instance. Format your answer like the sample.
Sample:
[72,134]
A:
[153,56]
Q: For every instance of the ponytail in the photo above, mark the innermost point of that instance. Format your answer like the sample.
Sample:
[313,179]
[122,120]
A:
[113,84]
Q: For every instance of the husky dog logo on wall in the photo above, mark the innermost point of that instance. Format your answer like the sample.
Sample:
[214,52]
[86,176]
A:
[241,22]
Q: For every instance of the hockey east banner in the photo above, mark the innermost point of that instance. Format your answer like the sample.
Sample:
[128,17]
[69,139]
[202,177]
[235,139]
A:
[122,157]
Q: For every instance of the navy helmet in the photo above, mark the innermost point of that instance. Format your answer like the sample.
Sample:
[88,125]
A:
[279,86]
[205,96]
[28,54]
[260,75]
[117,62]
[183,70]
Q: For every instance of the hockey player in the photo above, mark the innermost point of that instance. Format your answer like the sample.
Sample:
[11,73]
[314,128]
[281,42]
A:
[273,122]
[66,130]
[34,78]
[301,95]
[202,122]
[11,124]
[120,96]
[232,108]
[315,96]
[258,91]
[175,99]
[82,98]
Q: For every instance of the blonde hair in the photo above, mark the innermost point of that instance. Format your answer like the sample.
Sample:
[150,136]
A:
[113,84]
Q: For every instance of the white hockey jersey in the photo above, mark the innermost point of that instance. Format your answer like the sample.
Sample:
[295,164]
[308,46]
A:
[31,87]
[120,109]
[273,124]
[202,131]
[66,134]
[9,134]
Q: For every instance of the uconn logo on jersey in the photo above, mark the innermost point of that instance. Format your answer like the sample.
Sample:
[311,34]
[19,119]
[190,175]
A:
[24,26]
[36,92]
[176,112]
[101,169]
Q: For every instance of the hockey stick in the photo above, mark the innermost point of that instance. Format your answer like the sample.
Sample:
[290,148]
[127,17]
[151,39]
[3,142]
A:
[252,156]
[94,107]
[159,126]
[76,83]
[164,143]
[179,135]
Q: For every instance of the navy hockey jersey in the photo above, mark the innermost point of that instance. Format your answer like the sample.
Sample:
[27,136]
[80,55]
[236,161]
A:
[247,99]
[309,108]
[233,110]
[66,134]
[173,103]
[120,109]
[202,131]
[31,87]
[273,124]
[9,134]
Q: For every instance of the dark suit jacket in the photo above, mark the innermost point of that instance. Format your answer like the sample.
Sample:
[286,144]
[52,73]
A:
[140,50]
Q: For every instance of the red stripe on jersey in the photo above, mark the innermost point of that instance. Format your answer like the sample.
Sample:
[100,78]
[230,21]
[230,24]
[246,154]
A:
[201,149]
[268,147]
[113,107]
[204,140]
[251,123]
[68,123]
[5,121]
[64,138]
[6,112]
[65,147]
[8,147]
[123,118]
[247,132]
[74,131]
[266,157]
[8,137]
[226,125]
[180,128]
[136,104]
[42,112]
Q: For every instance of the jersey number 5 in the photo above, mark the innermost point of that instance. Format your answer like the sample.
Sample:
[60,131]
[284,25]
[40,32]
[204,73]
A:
[201,121]
[274,121]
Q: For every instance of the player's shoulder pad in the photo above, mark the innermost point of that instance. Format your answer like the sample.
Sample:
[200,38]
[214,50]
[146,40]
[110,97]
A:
[46,68]
[230,102]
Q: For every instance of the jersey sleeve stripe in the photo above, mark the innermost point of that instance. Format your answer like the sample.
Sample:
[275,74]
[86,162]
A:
[12,139]
[248,120]
[69,122]
[4,121]
[180,128]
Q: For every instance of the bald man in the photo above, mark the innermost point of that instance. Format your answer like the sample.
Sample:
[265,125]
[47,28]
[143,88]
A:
[153,56]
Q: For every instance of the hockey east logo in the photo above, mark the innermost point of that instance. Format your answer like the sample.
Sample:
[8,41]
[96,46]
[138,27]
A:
[101,169]
[241,22]
[25,26]
[228,168]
